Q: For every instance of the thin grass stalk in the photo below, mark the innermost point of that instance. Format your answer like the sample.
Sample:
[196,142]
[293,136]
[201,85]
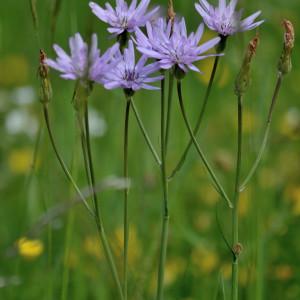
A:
[61,161]
[213,176]
[68,236]
[54,16]
[235,217]
[165,208]
[66,273]
[35,20]
[265,135]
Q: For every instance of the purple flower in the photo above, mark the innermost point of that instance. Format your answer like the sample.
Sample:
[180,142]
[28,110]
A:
[225,19]
[124,18]
[83,63]
[131,76]
[173,47]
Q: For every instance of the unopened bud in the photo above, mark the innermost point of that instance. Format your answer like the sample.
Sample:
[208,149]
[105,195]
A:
[243,79]
[171,12]
[43,72]
[285,62]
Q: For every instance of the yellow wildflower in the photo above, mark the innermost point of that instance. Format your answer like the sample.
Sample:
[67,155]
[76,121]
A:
[20,160]
[134,246]
[205,260]
[30,249]
[208,195]
[174,267]
[92,247]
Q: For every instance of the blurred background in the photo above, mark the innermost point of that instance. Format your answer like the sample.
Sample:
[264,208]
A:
[62,259]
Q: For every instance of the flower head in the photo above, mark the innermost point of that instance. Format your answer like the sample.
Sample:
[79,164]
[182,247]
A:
[129,75]
[84,62]
[225,19]
[123,17]
[169,43]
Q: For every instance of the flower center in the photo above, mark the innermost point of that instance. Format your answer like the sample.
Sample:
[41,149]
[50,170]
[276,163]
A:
[130,75]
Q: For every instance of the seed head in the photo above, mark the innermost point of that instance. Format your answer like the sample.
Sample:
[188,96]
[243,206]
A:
[285,62]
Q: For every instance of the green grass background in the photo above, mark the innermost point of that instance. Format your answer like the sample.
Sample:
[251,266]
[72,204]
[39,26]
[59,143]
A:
[71,265]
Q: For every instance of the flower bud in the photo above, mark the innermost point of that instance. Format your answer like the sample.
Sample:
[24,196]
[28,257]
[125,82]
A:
[285,62]
[45,86]
[243,79]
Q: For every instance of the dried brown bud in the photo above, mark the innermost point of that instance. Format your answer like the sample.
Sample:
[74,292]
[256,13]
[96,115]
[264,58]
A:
[43,72]
[237,249]
[252,47]
[243,79]
[171,12]
[285,62]
[289,37]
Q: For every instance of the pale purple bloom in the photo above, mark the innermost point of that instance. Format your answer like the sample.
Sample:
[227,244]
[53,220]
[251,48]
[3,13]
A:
[129,75]
[225,19]
[83,63]
[123,17]
[172,46]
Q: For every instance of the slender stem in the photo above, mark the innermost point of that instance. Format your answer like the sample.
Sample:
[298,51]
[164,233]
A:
[215,180]
[235,216]
[165,210]
[199,120]
[98,219]
[109,256]
[125,170]
[54,17]
[170,97]
[85,133]
[266,134]
[35,20]
[90,159]
[62,163]
[68,237]
[145,134]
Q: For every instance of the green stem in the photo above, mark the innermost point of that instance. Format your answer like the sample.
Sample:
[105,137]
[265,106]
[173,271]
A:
[62,163]
[35,20]
[165,211]
[169,110]
[90,159]
[98,219]
[109,256]
[215,180]
[266,134]
[54,16]
[235,216]
[125,170]
[144,132]
[200,118]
